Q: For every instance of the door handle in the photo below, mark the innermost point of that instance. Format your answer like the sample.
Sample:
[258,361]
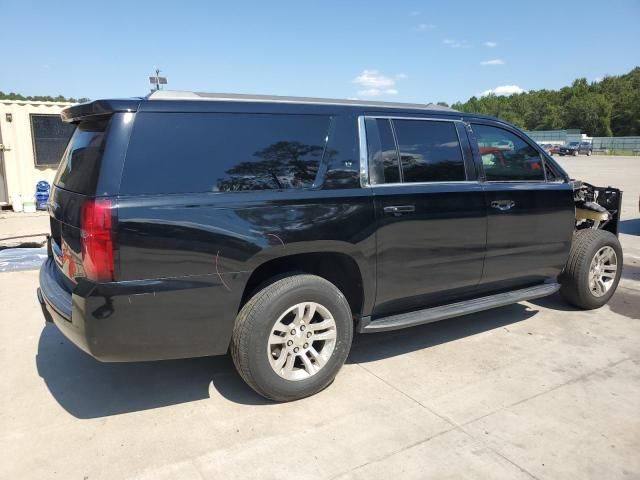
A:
[399,209]
[503,205]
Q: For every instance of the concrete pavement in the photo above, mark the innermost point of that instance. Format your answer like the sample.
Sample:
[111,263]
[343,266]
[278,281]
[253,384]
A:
[532,390]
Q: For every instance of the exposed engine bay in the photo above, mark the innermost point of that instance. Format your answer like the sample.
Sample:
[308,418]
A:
[597,208]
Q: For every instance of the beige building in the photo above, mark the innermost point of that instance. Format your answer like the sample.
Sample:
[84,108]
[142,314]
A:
[32,139]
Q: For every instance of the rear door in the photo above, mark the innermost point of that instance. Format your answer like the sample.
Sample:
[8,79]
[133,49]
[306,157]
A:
[430,211]
[530,211]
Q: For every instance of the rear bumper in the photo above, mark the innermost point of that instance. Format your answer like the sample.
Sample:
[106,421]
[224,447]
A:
[55,302]
[144,320]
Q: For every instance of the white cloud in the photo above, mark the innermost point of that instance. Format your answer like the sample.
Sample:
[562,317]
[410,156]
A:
[598,79]
[490,44]
[375,83]
[426,26]
[503,90]
[373,79]
[456,43]
[415,13]
[376,92]
[495,61]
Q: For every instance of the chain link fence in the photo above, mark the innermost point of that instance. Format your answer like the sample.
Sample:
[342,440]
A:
[604,145]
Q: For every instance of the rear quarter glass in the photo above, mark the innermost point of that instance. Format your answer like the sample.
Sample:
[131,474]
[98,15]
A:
[223,152]
[79,168]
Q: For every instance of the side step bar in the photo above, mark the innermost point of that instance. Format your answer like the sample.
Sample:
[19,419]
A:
[428,315]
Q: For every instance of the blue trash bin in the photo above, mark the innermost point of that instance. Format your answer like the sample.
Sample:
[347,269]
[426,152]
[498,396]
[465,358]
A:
[42,194]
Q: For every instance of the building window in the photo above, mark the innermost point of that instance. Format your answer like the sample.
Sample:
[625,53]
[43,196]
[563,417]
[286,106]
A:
[50,137]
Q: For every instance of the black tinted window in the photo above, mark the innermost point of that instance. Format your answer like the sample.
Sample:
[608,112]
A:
[429,151]
[50,137]
[507,157]
[80,164]
[342,155]
[383,157]
[204,152]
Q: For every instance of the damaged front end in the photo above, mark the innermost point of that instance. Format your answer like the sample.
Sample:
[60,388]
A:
[597,208]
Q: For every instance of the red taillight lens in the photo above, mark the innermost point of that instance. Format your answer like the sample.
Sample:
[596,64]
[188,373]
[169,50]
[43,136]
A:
[97,240]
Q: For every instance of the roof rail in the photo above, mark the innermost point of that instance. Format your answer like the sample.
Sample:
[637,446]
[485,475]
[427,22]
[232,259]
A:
[240,97]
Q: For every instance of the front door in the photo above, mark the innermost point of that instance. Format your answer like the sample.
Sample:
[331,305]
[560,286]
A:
[530,212]
[430,211]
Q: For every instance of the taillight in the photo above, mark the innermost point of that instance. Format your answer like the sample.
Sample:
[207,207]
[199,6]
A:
[97,240]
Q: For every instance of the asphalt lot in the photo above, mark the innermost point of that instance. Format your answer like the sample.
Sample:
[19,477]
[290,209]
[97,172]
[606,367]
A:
[532,390]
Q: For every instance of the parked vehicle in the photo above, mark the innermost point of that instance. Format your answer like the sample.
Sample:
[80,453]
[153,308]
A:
[553,149]
[575,148]
[550,148]
[275,228]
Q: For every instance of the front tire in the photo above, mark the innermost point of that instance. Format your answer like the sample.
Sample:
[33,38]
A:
[292,337]
[593,270]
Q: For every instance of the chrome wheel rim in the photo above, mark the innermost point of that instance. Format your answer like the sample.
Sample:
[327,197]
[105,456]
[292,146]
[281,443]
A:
[602,271]
[302,341]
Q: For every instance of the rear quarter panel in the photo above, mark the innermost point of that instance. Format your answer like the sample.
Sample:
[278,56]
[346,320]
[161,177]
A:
[228,235]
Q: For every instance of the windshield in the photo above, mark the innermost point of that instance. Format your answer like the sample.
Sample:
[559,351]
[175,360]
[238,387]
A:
[80,163]
[573,144]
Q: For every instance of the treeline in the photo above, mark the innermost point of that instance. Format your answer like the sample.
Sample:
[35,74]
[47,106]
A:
[40,98]
[608,107]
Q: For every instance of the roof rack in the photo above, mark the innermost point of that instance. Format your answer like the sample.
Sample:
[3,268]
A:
[240,97]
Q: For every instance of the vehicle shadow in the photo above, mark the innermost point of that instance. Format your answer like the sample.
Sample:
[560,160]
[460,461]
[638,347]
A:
[377,346]
[88,389]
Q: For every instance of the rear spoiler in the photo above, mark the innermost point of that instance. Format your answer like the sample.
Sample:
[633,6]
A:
[81,111]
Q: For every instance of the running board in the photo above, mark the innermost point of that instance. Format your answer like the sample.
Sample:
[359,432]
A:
[428,315]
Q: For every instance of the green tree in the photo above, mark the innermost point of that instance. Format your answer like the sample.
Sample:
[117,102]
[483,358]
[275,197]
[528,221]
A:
[608,107]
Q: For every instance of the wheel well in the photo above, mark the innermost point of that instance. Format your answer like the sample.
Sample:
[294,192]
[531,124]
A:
[338,268]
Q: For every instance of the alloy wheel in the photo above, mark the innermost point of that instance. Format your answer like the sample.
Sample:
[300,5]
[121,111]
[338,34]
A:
[302,341]
[602,271]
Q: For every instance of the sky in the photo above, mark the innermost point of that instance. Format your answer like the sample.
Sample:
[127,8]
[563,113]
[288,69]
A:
[407,51]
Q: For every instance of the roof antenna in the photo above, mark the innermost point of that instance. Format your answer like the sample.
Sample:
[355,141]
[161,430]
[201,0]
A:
[157,80]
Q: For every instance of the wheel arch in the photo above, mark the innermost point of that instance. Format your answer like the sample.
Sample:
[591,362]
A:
[339,268]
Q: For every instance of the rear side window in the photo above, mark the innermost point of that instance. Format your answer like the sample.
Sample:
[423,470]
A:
[383,156]
[342,155]
[80,164]
[429,151]
[507,157]
[223,152]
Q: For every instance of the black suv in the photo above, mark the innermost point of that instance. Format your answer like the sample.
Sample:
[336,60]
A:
[575,148]
[187,224]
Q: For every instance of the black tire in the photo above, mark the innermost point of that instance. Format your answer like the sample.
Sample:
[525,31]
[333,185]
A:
[574,281]
[588,153]
[256,319]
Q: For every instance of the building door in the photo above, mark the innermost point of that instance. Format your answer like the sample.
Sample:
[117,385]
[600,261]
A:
[4,199]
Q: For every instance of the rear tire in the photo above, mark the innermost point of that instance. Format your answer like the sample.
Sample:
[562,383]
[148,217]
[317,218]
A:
[305,313]
[593,270]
